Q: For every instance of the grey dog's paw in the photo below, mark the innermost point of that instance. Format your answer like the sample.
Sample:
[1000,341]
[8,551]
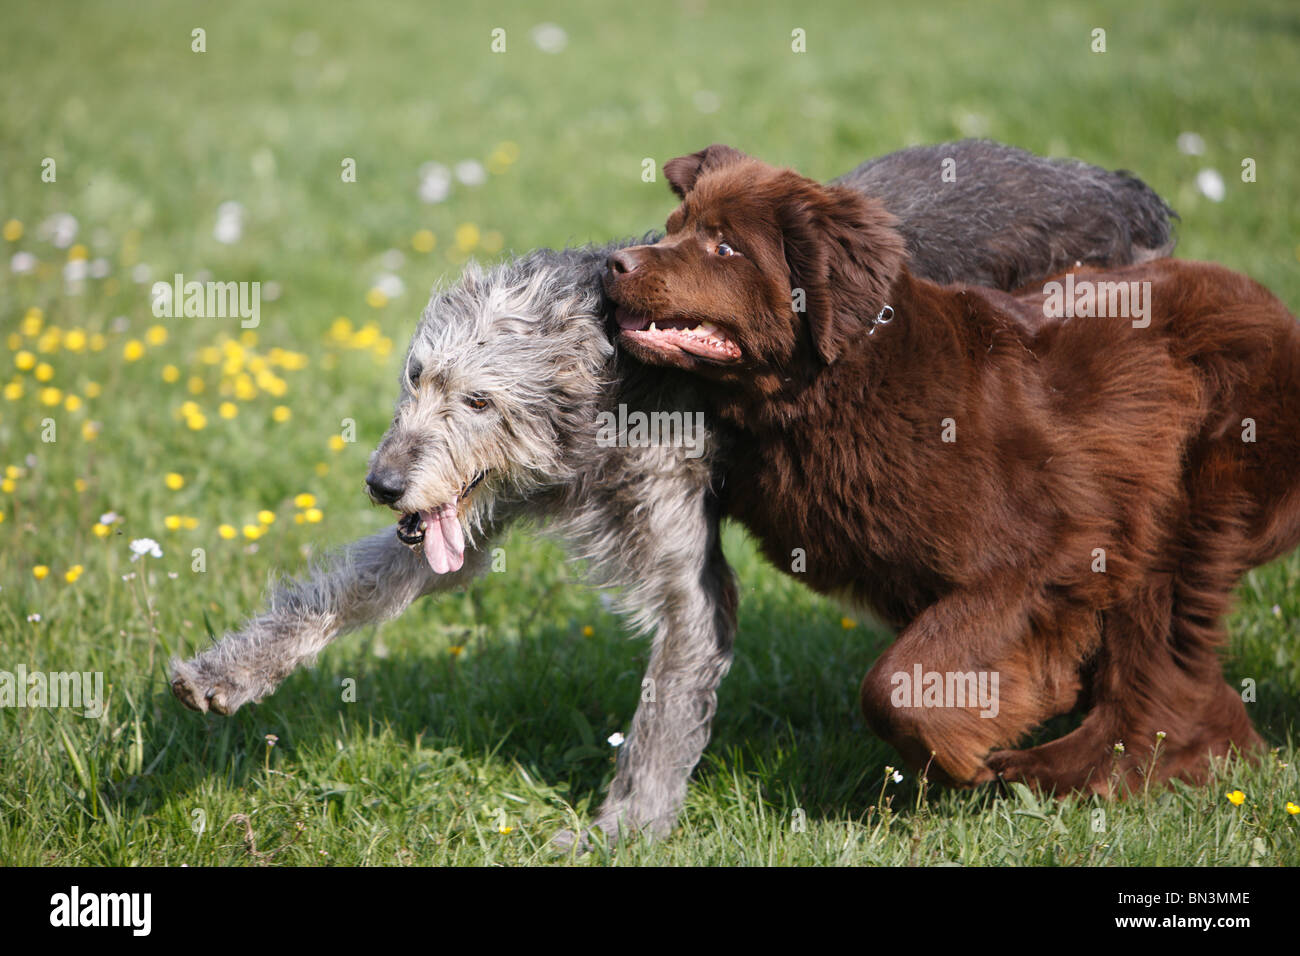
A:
[202,692]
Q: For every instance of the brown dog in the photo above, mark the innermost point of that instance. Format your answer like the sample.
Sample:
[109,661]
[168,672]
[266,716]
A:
[1035,490]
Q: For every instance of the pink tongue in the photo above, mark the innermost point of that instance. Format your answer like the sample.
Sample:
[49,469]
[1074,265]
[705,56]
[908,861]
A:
[444,542]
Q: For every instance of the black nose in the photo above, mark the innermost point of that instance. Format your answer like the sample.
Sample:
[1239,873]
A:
[386,485]
[625,260]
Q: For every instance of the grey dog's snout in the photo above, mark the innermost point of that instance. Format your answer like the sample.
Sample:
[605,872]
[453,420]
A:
[386,485]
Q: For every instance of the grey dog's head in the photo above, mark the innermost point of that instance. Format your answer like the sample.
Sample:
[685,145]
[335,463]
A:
[500,381]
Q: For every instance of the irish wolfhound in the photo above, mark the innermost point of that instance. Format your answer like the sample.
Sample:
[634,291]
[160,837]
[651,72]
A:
[507,396]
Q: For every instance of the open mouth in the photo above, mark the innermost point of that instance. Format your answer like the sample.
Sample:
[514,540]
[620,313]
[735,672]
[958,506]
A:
[699,338]
[437,532]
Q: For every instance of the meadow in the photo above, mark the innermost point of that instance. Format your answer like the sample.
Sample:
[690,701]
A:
[481,722]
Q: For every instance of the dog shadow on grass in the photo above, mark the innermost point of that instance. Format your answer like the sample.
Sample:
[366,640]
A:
[549,700]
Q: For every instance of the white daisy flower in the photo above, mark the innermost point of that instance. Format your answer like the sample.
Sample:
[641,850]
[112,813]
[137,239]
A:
[142,546]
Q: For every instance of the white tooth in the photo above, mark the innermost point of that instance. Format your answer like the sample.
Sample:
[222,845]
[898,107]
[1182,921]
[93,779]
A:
[652,327]
[708,328]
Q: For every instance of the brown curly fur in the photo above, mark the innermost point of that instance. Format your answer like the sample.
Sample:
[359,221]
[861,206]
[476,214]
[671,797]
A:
[1070,436]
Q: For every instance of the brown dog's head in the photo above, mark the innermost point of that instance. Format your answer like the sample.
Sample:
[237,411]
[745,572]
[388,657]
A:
[760,268]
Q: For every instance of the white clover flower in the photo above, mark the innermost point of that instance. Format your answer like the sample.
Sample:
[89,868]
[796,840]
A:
[549,37]
[435,182]
[616,739]
[33,619]
[1210,183]
[110,517]
[471,172]
[230,223]
[1190,144]
[142,546]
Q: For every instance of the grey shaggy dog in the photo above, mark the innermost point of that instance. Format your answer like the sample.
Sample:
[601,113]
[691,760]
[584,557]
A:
[505,381]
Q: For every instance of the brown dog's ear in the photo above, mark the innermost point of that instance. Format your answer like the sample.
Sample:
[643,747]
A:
[683,171]
[843,251]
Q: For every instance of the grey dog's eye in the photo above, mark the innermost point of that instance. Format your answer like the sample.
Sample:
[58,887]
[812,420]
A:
[413,374]
[477,402]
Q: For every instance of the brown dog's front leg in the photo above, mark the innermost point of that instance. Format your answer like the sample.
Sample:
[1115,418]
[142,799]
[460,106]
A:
[970,674]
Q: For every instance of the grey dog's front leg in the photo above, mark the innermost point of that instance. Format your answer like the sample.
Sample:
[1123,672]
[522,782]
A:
[667,555]
[369,580]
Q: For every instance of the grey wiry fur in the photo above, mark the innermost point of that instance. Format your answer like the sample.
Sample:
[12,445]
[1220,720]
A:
[530,338]
[1011,216]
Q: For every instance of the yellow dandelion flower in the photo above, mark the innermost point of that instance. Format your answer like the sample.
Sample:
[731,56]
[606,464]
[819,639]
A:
[1236,797]
[172,522]
[245,390]
[2,517]
[1292,808]
[456,650]
[174,480]
[196,422]
[340,329]
[227,409]
[14,341]
[337,443]
[49,341]
[156,335]
[227,531]
[252,532]
[25,361]
[13,471]
[248,338]
[848,623]
[40,572]
[90,430]
[8,486]
[322,469]
[189,523]
[266,517]
[79,485]
[44,372]
[298,518]
[51,396]
[133,350]
[13,230]
[75,340]
[98,342]
[210,355]
[73,573]
[102,530]
[72,403]
[467,236]
[504,829]
[588,630]
[195,385]
[304,500]
[14,391]
[376,298]
[424,241]
[33,320]
[93,389]
[77,253]
[170,374]
[313,515]
[281,413]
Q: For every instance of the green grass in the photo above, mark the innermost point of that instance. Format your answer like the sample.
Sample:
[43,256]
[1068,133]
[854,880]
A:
[149,138]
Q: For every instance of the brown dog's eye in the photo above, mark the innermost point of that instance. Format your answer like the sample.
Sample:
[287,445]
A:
[724,249]
[477,402]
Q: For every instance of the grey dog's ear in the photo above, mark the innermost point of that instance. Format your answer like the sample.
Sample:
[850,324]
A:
[683,171]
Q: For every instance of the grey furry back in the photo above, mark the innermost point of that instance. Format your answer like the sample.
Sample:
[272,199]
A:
[1011,217]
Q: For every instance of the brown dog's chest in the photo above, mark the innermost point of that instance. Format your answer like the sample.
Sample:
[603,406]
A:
[837,538]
